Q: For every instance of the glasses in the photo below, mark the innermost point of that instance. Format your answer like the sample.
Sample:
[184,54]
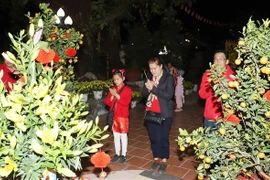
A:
[219,59]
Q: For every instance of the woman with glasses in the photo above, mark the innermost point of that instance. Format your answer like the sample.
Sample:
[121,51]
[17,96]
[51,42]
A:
[159,91]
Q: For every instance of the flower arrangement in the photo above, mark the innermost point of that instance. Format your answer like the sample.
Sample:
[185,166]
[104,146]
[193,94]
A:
[42,125]
[82,87]
[97,85]
[136,96]
[188,85]
[239,147]
[109,82]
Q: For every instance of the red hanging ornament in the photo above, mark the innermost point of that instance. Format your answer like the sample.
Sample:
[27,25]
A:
[233,118]
[71,52]
[56,58]
[100,159]
[45,57]
[267,95]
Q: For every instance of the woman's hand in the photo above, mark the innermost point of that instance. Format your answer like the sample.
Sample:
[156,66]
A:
[149,85]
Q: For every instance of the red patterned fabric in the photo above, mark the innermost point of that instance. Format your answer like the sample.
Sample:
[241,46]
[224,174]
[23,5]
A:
[120,124]
[175,73]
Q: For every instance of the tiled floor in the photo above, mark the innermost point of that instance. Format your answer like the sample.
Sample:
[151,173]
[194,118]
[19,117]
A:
[139,154]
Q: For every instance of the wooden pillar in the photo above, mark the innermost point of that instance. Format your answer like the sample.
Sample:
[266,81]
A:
[108,66]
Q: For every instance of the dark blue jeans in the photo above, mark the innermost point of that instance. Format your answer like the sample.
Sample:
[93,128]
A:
[211,124]
[159,138]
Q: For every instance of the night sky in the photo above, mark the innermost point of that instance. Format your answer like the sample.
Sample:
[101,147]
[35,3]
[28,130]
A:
[234,13]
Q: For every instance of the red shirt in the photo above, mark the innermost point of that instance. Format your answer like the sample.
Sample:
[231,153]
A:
[155,106]
[213,107]
[7,76]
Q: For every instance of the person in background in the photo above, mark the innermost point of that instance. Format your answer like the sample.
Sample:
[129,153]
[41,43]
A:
[120,126]
[159,91]
[178,84]
[8,77]
[213,107]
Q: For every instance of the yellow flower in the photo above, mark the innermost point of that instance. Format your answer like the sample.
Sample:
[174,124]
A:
[4,172]
[36,147]
[136,95]
[48,135]
[40,91]
[11,166]
[16,118]
[12,163]
[188,85]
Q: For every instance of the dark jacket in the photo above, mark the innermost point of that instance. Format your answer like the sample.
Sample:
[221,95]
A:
[164,93]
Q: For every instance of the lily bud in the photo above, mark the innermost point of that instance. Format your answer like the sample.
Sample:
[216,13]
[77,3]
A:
[40,23]
[31,30]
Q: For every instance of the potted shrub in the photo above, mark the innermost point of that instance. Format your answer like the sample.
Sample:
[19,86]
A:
[97,87]
[188,87]
[82,87]
[240,147]
[136,97]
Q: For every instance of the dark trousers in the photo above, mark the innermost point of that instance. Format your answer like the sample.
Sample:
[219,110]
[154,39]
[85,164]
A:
[159,138]
[211,124]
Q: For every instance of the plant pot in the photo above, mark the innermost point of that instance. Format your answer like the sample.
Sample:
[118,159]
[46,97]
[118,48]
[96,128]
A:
[85,97]
[51,176]
[133,104]
[187,92]
[195,88]
[97,94]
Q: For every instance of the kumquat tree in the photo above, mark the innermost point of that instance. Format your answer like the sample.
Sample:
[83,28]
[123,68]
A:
[64,41]
[240,147]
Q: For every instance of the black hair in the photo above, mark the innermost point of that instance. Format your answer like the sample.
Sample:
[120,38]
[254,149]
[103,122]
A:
[221,51]
[120,72]
[159,62]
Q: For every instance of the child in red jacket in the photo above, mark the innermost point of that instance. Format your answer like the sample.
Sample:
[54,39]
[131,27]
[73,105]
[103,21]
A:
[213,107]
[120,124]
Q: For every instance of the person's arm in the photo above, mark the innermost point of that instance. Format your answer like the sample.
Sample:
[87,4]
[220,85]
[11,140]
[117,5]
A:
[145,92]
[205,90]
[125,96]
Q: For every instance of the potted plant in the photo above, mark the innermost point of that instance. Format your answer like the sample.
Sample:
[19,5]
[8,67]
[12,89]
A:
[82,87]
[42,125]
[239,147]
[188,87]
[136,97]
[97,87]
[109,83]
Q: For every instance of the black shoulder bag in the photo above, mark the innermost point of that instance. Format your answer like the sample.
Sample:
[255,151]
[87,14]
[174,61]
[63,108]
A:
[110,115]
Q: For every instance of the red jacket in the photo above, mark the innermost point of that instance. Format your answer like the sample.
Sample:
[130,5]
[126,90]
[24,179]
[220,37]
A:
[7,77]
[213,108]
[121,108]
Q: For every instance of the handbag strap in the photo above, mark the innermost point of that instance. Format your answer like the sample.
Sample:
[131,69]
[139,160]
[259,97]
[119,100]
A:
[116,98]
